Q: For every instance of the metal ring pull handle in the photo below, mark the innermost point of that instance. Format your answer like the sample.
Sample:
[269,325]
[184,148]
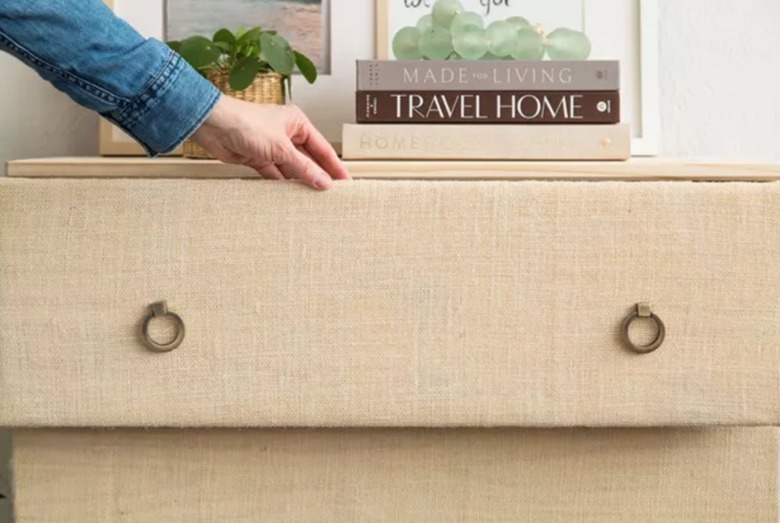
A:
[160,309]
[643,311]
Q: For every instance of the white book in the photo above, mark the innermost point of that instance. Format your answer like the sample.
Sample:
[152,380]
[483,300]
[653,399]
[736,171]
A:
[486,141]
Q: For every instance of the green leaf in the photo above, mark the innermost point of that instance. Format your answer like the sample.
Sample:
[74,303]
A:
[225,36]
[174,44]
[199,51]
[306,67]
[250,36]
[248,44]
[278,53]
[253,49]
[224,46]
[243,73]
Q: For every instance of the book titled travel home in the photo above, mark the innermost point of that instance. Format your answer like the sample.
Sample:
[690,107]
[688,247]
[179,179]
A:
[488,107]
[497,75]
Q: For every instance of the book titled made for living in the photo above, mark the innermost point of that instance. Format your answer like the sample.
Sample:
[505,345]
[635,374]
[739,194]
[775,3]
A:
[497,75]
[488,107]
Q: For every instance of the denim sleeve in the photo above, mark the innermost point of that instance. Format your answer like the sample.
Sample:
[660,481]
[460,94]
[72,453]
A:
[102,63]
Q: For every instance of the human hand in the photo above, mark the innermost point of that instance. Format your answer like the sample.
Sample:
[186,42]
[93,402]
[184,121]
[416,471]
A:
[277,141]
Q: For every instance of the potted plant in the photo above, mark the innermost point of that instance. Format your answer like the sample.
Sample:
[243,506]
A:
[255,65]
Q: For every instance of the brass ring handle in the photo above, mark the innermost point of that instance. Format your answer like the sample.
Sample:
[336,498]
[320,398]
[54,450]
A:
[643,311]
[157,310]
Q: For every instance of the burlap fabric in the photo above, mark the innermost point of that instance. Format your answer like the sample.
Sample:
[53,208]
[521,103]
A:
[388,303]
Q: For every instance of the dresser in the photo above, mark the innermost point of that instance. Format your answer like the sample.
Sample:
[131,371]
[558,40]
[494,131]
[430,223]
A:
[431,341]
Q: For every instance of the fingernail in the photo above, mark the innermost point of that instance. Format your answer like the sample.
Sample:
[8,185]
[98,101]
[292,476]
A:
[322,183]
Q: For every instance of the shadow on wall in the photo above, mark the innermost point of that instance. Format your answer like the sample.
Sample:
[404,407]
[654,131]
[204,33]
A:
[6,506]
[6,514]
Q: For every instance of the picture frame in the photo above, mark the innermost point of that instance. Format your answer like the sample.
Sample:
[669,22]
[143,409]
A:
[328,103]
[626,30]
[359,30]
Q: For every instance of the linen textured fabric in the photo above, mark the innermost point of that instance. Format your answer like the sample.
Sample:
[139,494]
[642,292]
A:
[102,63]
[405,475]
[388,303]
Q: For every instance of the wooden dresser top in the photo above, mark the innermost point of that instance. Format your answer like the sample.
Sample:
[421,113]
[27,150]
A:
[659,168]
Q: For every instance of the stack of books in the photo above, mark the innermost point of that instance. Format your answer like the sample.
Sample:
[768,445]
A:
[487,110]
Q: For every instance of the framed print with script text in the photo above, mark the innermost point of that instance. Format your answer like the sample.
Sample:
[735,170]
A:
[622,30]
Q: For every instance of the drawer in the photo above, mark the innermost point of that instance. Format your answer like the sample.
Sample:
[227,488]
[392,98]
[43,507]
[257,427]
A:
[725,475]
[389,303]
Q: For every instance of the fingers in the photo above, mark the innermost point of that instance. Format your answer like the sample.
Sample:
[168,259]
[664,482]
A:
[322,152]
[281,144]
[264,169]
[303,151]
[271,171]
[319,149]
[295,164]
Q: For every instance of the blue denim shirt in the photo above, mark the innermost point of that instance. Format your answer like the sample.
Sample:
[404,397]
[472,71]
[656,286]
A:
[104,64]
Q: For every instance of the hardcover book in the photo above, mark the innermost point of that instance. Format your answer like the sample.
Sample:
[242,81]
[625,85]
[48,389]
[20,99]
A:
[488,107]
[486,142]
[500,75]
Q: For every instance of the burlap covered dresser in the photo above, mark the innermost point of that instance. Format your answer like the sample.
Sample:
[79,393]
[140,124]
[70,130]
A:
[428,342]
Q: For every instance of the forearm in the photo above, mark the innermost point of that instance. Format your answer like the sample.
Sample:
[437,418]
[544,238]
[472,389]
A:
[103,64]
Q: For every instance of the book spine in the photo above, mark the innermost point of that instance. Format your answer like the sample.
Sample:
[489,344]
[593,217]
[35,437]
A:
[488,107]
[486,142]
[494,75]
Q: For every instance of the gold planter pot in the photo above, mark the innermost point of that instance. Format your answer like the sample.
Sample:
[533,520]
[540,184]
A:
[266,88]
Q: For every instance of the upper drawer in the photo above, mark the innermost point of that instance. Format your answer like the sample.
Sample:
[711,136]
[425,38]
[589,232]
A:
[389,303]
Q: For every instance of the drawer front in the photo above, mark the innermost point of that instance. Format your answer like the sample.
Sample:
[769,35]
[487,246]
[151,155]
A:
[389,303]
[519,475]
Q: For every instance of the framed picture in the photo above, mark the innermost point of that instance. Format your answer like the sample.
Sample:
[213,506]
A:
[333,33]
[624,30]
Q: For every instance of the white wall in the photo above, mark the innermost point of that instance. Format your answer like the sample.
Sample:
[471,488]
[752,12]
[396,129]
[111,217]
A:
[38,120]
[720,79]
[719,89]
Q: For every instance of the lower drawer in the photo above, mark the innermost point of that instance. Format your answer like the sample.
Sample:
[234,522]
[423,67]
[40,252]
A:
[725,475]
[389,303]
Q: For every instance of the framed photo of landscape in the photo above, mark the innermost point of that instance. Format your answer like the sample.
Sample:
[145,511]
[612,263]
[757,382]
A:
[334,33]
[623,30]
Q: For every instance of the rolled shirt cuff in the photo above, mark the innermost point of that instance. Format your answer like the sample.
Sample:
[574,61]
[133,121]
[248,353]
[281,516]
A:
[170,108]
